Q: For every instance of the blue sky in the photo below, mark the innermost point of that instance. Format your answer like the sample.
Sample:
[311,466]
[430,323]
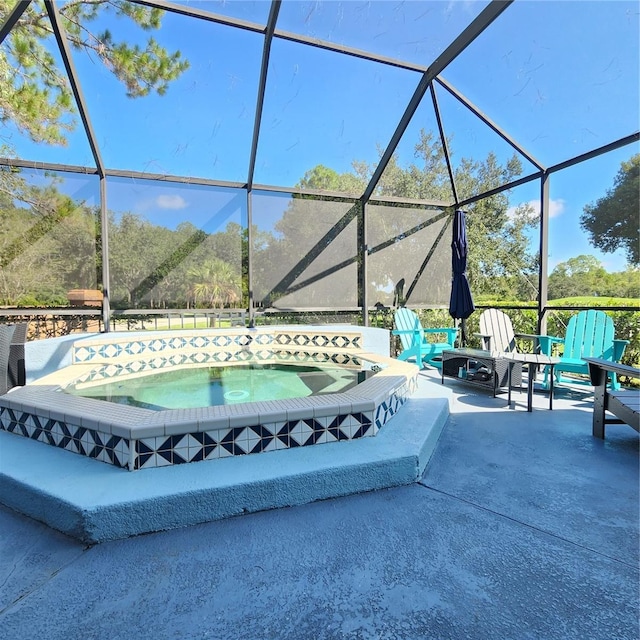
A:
[561,77]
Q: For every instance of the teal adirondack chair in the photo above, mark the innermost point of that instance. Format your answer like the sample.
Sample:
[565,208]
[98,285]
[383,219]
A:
[589,334]
[413,339]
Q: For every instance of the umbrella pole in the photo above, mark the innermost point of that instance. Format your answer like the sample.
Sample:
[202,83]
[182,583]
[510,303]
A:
[457,323]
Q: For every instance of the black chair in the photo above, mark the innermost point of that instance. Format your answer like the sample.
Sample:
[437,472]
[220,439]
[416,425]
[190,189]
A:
[12,367]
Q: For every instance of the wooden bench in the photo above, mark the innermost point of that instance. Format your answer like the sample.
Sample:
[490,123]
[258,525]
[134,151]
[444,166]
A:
[625,405]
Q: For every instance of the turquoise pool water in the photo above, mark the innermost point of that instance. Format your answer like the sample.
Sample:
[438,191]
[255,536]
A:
[221,385]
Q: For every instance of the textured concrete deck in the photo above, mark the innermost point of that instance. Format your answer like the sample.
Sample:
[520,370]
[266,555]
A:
[93,501]
[523,526]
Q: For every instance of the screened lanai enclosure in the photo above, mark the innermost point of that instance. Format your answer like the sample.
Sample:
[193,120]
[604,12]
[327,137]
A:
[294,157]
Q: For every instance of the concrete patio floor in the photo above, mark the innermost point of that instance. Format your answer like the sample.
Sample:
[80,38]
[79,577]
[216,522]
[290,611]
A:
[523,526]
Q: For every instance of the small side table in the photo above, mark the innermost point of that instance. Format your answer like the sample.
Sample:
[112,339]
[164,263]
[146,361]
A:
[533,361]
[500,370]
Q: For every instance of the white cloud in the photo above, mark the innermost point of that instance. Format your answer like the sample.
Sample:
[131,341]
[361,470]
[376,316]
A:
[556,207]
[171,202]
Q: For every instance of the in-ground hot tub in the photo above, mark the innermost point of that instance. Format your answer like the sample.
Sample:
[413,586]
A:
[134,437]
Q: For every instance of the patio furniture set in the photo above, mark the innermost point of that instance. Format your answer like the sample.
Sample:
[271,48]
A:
[499,363]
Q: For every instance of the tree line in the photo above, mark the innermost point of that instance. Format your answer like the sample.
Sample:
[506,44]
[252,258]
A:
[50,244]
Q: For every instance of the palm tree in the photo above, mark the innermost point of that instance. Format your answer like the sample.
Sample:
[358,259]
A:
[215,284]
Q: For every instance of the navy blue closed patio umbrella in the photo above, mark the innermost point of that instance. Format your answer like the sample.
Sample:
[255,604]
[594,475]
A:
[461,303]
